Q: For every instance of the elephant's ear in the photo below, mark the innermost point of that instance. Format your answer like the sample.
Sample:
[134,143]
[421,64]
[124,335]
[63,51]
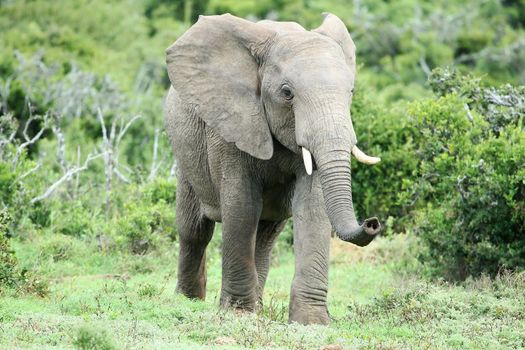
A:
[334,28]
[214,69]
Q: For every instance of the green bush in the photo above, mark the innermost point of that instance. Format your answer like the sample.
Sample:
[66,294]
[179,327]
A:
[160,190]
[147,216]
[73,219]
[469,183]
[8,262]
[89,338]
[11,276]
[58,248]
[377,190]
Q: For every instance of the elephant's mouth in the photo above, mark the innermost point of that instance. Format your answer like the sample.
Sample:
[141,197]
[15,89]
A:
[362,157]
[335,177]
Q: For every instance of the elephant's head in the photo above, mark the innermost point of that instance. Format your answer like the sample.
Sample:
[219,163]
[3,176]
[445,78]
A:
[252,82]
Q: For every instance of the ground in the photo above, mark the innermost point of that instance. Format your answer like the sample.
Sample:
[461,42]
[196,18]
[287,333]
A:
[110,299]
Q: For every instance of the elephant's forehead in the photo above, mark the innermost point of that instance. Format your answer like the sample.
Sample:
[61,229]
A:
[306,43]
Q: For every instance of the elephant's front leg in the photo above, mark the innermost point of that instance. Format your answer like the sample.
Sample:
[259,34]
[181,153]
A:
[311,247]
[241,205]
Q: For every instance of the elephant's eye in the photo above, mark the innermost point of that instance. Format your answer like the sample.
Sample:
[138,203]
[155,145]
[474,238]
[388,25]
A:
[287,92]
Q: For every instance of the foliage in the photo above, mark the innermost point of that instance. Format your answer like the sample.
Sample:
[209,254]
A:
[451,180]
[470,180]
[148,217]
[11,275]
[73,220]
[8,260]
[377,190]
[100,300]
[88,338]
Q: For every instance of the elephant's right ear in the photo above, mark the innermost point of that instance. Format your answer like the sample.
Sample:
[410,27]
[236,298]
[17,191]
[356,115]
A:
[214,68]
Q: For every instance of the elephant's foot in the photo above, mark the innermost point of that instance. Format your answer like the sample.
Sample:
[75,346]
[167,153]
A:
[195,288]
[307,311]
[304,313]
[191,279]
[240,303]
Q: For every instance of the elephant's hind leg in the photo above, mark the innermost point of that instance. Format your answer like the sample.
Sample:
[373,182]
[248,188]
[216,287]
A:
[195,232]
[267,233]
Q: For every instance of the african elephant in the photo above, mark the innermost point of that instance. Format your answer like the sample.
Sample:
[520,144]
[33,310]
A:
[258,117]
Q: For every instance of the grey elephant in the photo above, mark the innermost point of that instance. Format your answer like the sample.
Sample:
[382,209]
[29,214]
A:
[258,117]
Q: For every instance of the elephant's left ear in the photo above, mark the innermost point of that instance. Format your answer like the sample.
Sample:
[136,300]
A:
[334,28]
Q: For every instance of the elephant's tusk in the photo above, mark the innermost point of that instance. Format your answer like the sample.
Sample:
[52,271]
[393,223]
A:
[362,157]
[307,159]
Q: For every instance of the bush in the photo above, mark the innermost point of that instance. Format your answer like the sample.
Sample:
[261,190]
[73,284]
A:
[378,190]
[88,338]
[161,190]
[470,179]
[11,276]
[8,262]
[147,216]
[143,226]
[73,219]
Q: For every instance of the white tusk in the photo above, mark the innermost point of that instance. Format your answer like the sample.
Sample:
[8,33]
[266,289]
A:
[363,158]
[307,159]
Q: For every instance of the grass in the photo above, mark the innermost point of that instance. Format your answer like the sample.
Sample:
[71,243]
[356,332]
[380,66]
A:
[113,300]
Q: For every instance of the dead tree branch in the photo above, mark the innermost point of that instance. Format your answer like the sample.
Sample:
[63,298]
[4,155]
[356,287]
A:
[29,141]
[65,178]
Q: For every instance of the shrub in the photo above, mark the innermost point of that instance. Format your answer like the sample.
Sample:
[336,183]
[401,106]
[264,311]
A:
[148,290]
[470,178]
[147,216]
[88,338]
[161,190]
[11,276]
[378,190]
[73,219]
[58,248]
[8,262]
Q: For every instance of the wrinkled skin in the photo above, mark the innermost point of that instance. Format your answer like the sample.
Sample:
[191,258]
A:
[245,97]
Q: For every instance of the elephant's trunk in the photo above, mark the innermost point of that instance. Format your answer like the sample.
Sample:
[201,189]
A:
[328,133]
[335,176]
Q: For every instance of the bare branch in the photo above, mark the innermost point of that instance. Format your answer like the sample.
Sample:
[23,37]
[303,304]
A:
[424,66]
[77,177]
[65,177]
[123,131]
[469,114]
[61,147]
[154,167]
[103,125]
[121,176]
[29,142]
[5,91]
[172,170]
[29,172]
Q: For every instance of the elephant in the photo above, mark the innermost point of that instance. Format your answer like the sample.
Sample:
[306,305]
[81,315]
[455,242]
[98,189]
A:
[258,117]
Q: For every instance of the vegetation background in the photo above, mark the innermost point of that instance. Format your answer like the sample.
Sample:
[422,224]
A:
[88,246]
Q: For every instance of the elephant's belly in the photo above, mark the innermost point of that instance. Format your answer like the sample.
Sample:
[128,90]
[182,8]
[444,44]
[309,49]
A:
[212,212]
[277,203]
[275,208]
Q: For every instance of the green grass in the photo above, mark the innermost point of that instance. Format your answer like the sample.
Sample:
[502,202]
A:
[113,300]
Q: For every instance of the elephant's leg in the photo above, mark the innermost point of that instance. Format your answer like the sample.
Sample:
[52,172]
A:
[267,232]
[241,205]
[311,246]
[195,232]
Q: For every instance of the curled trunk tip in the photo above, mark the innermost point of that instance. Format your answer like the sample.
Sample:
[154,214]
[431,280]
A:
[361,235]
